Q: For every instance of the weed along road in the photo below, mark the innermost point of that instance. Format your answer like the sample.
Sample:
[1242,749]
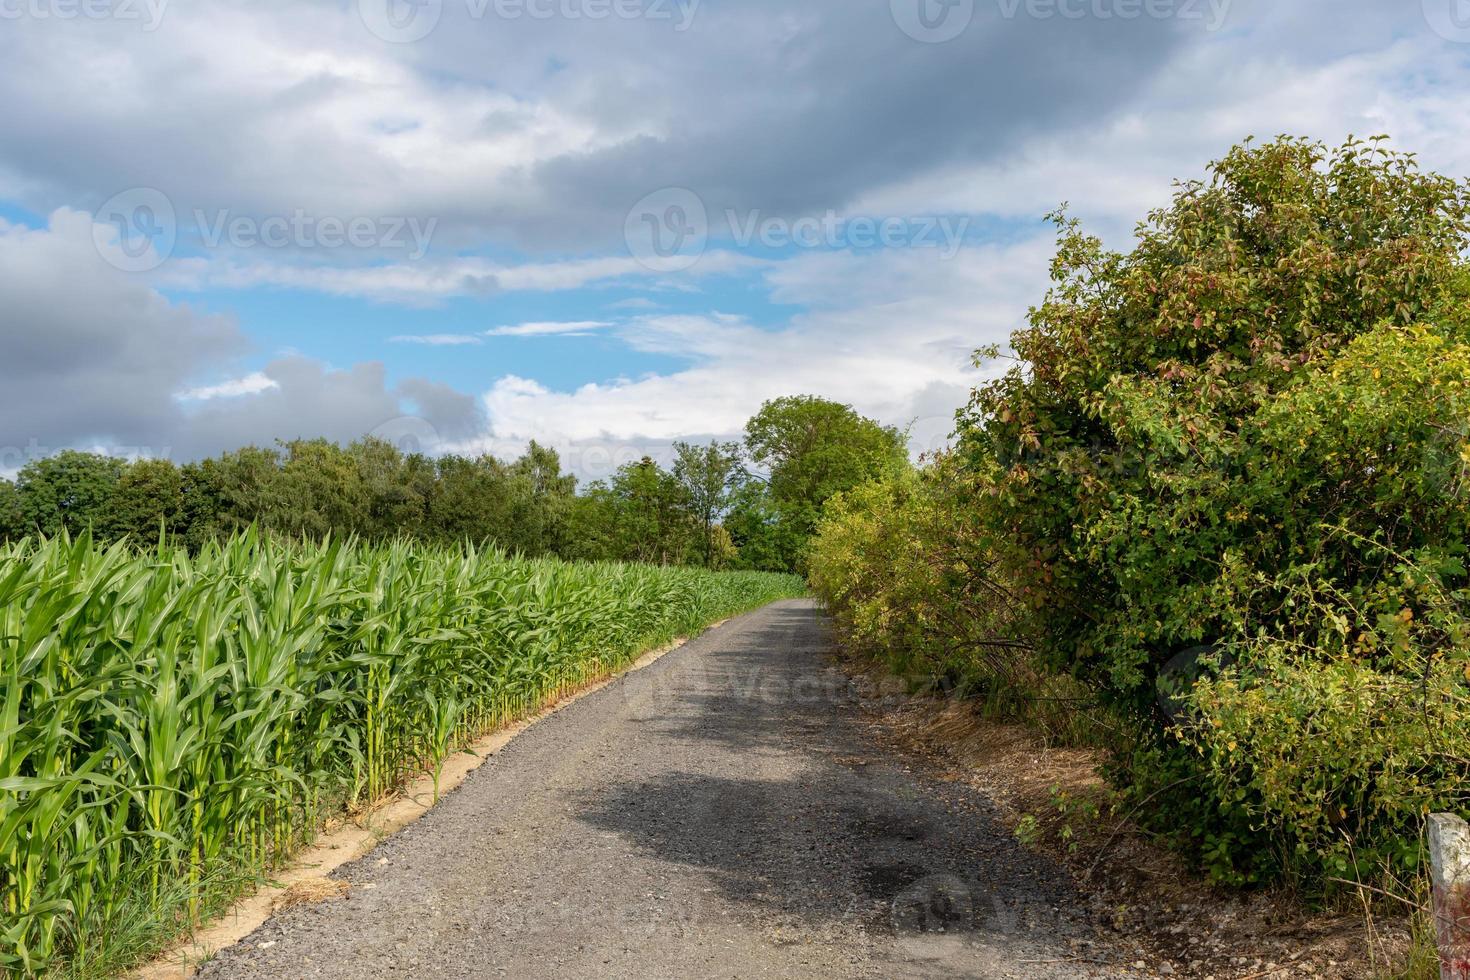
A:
[724,812]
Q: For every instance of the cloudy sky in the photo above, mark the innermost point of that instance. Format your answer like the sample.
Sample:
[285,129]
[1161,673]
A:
[607,224]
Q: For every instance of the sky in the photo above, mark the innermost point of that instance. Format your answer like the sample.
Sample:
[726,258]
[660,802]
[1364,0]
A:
[608,224]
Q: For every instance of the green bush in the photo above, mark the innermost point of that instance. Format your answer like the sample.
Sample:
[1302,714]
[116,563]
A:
[1247,434]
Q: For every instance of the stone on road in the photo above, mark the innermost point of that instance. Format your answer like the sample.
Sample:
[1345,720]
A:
[724,812]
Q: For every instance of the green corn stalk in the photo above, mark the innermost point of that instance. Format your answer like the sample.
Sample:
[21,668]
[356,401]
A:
[172,721]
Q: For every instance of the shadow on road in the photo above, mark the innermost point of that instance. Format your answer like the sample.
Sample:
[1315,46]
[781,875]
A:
[849,832]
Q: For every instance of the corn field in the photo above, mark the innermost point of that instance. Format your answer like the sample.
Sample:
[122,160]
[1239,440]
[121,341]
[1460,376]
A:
[173,721]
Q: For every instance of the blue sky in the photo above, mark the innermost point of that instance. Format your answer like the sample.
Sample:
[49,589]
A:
[607,233]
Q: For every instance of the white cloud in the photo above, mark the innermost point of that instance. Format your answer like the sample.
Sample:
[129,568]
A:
[96,359]
[573,328]
[251,384]
[891,333]
[437,339]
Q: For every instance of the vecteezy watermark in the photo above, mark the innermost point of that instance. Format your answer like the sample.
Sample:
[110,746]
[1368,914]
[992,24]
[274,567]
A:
[932,21]
[1450,19]
[669,230]
[1177,679]
[148,13]
[1212,13]
[409,434]
[937,21]
[15,458]
[406,21]
[138,230]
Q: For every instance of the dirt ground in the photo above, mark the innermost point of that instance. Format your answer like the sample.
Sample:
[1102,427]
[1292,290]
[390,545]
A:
[730,811]
[1144,893]
[754,805]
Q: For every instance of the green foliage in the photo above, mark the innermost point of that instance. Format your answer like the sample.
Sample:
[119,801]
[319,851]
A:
[912,574]
[67,492]
[1249,432]
[170,721]
[710,477]
[148,501]
[767,535]
[1142,437]
[705,510]
[12,513]
[813,449]
[646,514]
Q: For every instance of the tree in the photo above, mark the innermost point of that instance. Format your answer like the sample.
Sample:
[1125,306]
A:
[539,495]
[318,491]
[1155,396]
[650,521]
[766,537]
[149,498]
[1248,435]
[71,491]
[465,506]
[397,488]
[227,493]
[709,476]
[12,516]
[813,449]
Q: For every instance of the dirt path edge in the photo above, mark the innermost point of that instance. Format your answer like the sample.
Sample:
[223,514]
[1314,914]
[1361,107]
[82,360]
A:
[307,873]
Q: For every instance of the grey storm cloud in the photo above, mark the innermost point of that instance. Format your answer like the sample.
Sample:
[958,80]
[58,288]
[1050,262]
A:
[311,401]
[88,353]
[94,358]
[849,103]
[786,108]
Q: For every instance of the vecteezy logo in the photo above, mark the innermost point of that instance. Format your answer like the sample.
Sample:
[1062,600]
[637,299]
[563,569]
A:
[401,21]
[933,917]
[410,435]
[1177,679]
[933,21]
[136,230]
[1450,19]
[668,230]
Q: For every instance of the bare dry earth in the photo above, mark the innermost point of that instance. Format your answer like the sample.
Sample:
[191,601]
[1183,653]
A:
[730,811]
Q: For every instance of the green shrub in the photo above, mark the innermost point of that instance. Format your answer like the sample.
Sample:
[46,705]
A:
[1248,434]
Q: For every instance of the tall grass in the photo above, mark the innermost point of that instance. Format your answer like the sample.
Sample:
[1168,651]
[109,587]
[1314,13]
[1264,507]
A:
[170,721]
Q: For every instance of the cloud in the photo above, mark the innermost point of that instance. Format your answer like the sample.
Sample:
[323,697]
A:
[470,127]
[97,359]
[251,384]
[437,339]
[575,328]
[891,333]
[90,352]
[309,400]
[530,141]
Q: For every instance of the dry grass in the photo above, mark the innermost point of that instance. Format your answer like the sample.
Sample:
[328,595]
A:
[1154,903]
[309,891]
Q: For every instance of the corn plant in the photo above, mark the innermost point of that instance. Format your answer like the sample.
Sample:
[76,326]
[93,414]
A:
[169,722]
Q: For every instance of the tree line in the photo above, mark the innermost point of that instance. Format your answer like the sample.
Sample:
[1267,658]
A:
[751,504]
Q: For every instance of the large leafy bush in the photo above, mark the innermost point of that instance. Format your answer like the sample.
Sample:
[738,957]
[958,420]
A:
[1249,436]
[1194,411]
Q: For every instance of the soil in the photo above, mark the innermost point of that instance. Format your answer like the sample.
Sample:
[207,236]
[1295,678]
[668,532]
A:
[1165,911]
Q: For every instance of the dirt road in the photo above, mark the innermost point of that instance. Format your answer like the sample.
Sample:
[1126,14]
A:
[725,812]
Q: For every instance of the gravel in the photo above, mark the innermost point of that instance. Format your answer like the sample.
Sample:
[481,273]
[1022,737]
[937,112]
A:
[725,812]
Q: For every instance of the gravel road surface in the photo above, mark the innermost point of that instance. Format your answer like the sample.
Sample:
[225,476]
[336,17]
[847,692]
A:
[725,812]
